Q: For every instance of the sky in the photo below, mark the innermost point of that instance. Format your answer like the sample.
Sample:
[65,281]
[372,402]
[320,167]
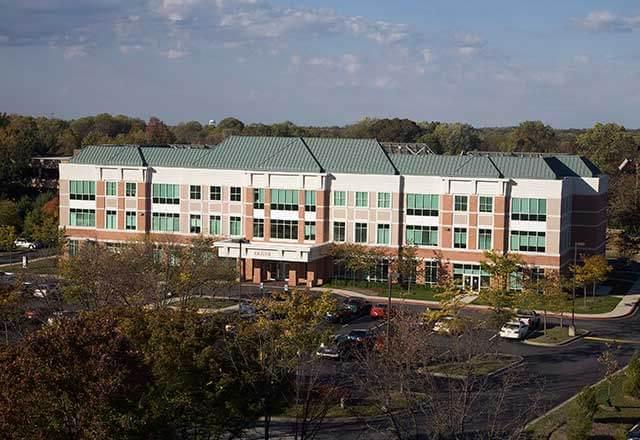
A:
[569,63]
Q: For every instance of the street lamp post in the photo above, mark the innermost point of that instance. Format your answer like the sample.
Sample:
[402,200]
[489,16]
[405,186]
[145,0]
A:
[572,327]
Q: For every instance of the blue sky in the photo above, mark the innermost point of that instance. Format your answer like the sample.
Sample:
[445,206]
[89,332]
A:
[569,63]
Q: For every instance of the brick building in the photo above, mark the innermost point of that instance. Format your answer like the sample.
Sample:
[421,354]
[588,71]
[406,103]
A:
[279,202]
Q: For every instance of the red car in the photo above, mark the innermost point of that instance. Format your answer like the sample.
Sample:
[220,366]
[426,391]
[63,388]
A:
[378,311]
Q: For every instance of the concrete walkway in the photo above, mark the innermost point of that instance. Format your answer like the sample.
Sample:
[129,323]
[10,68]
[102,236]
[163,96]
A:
[625,307]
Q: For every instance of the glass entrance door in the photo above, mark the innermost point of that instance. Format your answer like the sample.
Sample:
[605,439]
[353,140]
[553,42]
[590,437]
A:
[471,282]
[282,271]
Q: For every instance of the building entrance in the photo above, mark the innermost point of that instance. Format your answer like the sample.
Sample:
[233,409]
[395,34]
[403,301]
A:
[471,282]
[278,271]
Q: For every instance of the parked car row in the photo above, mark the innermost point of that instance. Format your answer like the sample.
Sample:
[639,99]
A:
[522,325]
[346,346]
[350,309]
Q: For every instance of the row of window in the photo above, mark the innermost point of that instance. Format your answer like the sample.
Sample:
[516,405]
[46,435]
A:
[523,241]
[528,209]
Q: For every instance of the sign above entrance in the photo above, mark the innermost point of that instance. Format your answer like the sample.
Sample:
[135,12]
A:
[264,254]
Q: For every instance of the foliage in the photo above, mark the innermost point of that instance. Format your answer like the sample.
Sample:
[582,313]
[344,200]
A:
[7,237]
[82,379]
[357,258]
[455,138]
[609,364]
[580,416]
[548,294]
[607,145]
[533,136]
[631,385]
[499,296]
[144,273]
[158,133]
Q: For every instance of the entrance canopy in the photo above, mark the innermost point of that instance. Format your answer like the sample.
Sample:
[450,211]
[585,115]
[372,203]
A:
[299,253]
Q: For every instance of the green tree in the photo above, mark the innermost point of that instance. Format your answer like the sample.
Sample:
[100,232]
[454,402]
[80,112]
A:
[631,384]
[358,259]
[499,296]
[456,137]
[158,133]
[18,141]
[408,265]
[190,132]
[533,136]
[9,215]
[7,237]
[607,145]
[547,294]
[195,391]
[82,379]
[580,415]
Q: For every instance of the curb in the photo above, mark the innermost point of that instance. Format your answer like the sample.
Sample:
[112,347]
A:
[559,344]
[569,400]
[514,364]
[481,308]
[19,263]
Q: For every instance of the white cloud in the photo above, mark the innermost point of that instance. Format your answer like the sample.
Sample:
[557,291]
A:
[174,54]
[606,21]
[74,51]
[384,82]
[582,59]
[427,55]
[467,51]
[468,44]
[128,49]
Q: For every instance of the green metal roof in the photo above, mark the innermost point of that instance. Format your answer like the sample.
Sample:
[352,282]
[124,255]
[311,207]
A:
[517,167]
[264,154]
[351,156]
[320,155]
[116,155]
[450,166]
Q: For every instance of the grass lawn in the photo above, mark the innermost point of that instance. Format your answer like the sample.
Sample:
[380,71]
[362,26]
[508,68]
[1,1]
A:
[554,335]
[210,303]
[364,408]
[48,266]
[381,289]
[598,304]
[608,423]
[479,366]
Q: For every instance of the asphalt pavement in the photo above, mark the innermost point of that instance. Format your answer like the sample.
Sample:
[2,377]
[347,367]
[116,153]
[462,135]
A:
[555,373]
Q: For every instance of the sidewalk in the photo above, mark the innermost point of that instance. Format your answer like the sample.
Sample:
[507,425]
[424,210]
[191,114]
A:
[624,308]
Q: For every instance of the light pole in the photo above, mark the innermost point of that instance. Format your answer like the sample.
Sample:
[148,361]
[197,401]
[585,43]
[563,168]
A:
[240,241]
[572,327]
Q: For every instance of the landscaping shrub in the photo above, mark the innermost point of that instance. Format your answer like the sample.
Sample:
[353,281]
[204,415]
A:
[580,415]
[631,385]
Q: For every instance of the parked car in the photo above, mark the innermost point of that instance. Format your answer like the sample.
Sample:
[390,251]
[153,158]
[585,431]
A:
[379,311]
[25,244]
[445,325]
[342,315]
[358,306]
[33,314]
[529,317]
[60,315]
[514,329]
[44,290]
[247,310]
[338,348]
[634,433]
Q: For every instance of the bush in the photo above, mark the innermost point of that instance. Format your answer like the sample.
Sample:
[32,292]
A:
[631,385]
[580,415]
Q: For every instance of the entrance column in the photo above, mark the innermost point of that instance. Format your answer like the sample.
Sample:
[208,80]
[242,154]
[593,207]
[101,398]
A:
[293,277]
[257,272]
